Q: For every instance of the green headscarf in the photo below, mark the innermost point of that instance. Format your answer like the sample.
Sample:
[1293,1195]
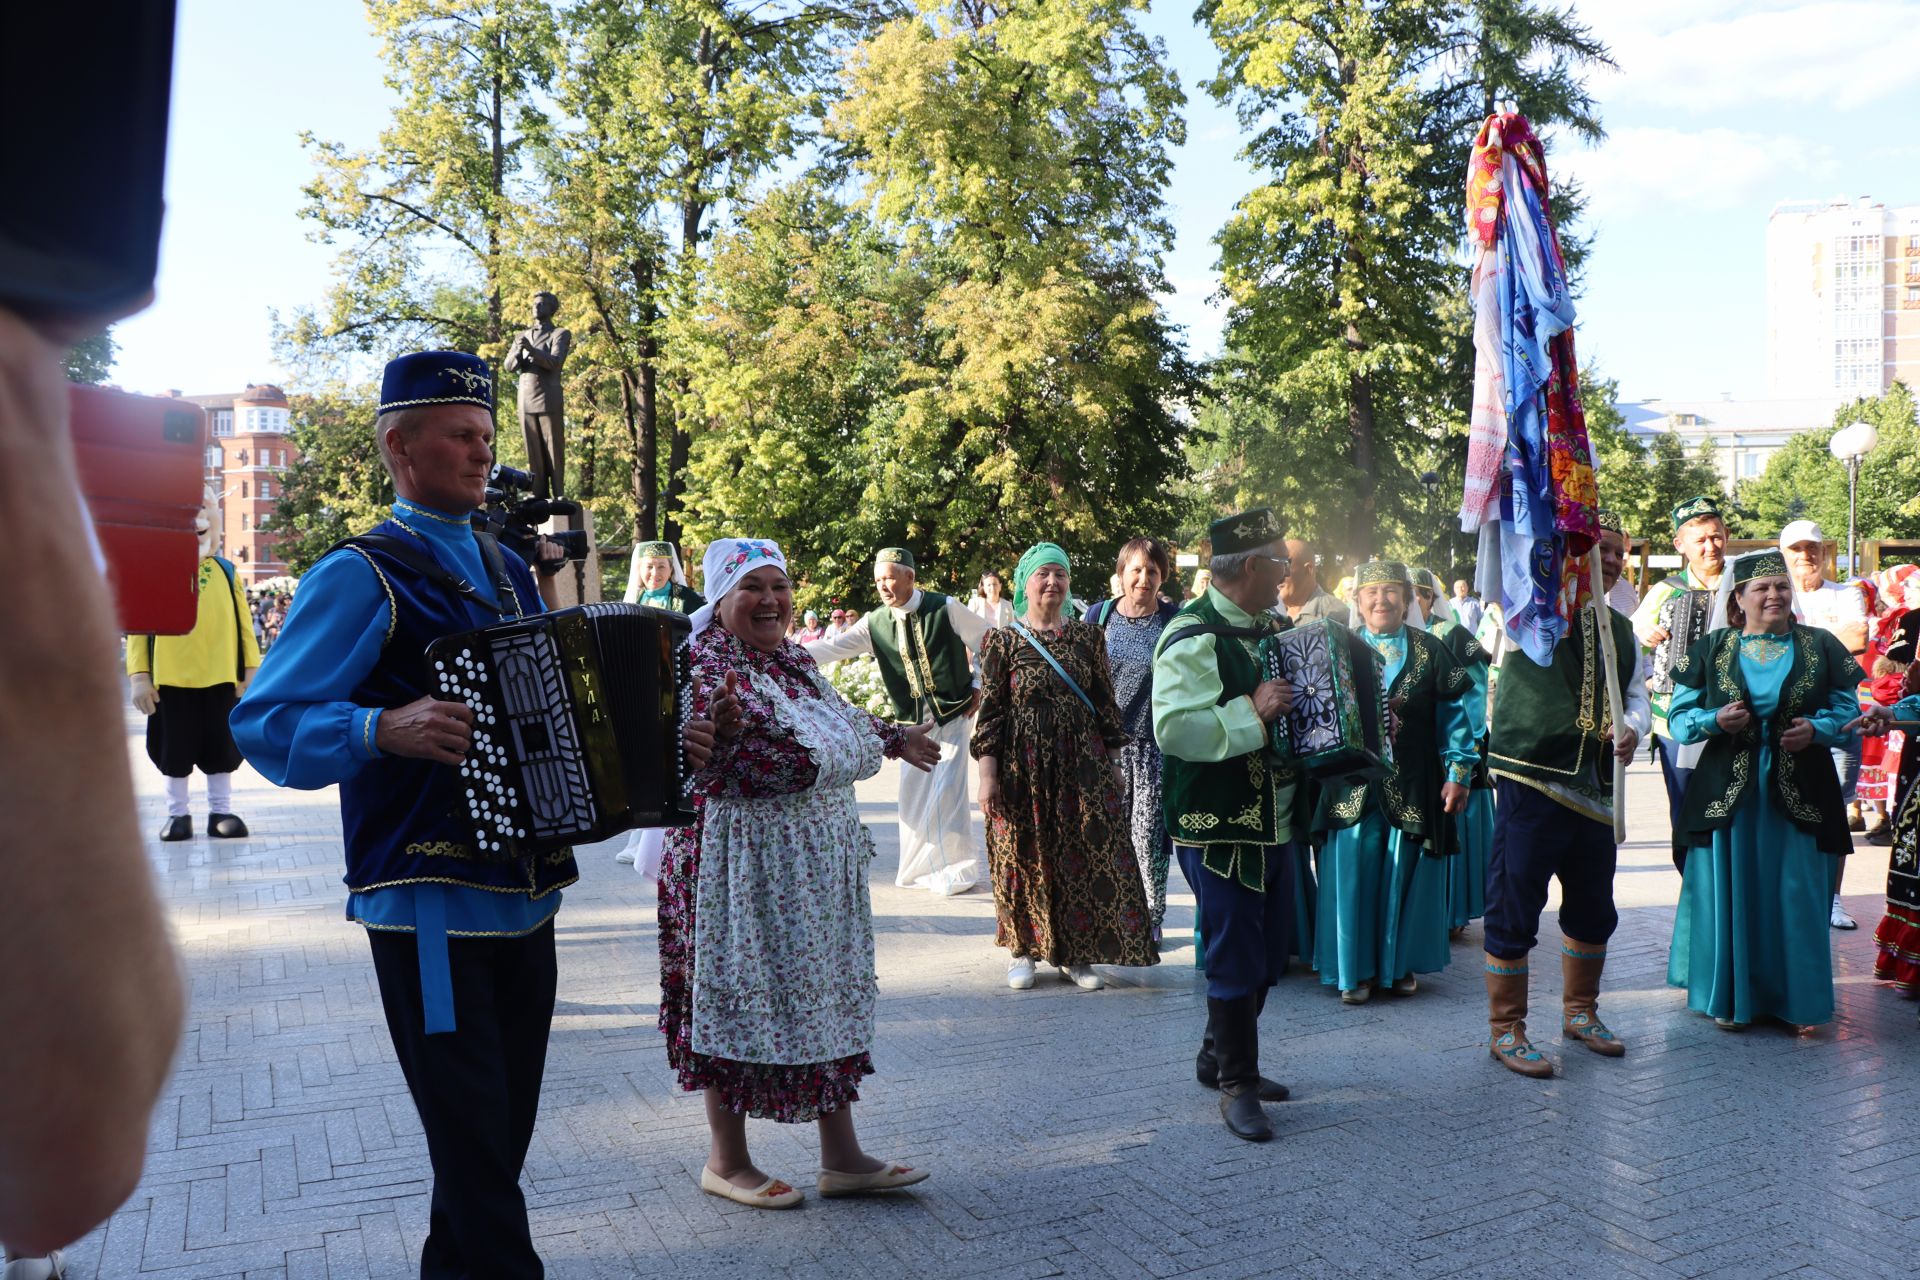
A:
[1038,554]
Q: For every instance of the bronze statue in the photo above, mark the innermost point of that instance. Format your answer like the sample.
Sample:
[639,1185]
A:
[536,355]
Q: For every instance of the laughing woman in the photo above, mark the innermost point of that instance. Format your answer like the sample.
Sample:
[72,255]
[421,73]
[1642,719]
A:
[1762,816]
[767,1004]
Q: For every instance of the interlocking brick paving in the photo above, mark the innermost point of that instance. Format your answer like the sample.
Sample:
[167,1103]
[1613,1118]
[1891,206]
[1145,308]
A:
[1064,1130]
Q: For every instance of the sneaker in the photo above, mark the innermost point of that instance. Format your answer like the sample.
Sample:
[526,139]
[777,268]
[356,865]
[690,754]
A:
[1840,919]
[1083,977]
[1020,973]
[51,1267]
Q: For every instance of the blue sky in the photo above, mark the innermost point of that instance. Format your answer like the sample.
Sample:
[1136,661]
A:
[1720,108]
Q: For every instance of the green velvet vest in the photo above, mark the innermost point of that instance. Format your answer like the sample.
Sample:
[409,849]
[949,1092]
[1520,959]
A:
[1804,783]
[1409,793]
[1222,802]
[923,664]
[1547,722]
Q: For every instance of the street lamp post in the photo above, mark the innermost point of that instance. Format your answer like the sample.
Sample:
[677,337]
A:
[1850,444]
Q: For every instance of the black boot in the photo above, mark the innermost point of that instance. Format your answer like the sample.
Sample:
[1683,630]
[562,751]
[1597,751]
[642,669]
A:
[1236,1043]
[1206,1065]
[180,828]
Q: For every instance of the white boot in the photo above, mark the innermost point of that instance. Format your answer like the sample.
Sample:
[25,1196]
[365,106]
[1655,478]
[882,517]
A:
[1840,919]
[1020,974]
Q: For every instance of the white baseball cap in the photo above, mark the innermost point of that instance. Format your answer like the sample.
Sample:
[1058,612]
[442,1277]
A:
[1800,531]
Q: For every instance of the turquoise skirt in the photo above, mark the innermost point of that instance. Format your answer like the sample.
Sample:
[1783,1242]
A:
[1381,909]
[1751,938]
[1467,870]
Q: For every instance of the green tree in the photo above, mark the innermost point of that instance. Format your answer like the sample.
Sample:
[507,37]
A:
[1641,482]
[90,360]
[1018,154]
[1804,479]
[338,487]
[426,214]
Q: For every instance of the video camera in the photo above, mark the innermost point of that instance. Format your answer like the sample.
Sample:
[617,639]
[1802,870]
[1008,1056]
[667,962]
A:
[514,516]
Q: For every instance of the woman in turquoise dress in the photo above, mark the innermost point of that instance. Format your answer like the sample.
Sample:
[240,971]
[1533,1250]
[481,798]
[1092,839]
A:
[1763,817]
[1381,910]
[1466,873]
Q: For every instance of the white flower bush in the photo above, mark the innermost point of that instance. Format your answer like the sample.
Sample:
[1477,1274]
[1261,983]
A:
[858,680]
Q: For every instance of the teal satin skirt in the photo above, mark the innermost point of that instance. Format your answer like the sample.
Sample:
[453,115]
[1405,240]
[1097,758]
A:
[1467,870]
[1381,908]
[1751,938]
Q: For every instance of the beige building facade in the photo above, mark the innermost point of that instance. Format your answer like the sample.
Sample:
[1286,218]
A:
[1843,298]
[247,460]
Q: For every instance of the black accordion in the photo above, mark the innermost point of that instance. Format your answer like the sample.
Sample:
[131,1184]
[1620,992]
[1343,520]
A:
[1338,725]
[1683,616]
[578,718]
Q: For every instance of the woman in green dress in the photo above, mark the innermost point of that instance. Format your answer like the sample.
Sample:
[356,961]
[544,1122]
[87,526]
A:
[1763,818]
[1381,910]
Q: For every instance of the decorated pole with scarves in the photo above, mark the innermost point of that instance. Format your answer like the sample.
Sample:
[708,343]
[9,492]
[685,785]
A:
[1529,494]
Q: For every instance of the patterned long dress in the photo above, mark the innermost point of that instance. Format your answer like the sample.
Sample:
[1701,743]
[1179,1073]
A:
[1130,643]
[801,895]
[1066,887]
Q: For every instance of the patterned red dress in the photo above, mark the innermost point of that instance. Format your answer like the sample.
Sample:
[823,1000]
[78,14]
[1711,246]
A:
[764,760]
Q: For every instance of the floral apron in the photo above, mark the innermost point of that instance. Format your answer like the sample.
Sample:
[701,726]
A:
[783,925]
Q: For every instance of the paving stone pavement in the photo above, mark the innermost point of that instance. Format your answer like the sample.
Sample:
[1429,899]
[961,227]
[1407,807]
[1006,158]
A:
[1064,1130]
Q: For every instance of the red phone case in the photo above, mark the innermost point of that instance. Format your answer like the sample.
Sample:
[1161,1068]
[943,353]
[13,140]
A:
[142,463]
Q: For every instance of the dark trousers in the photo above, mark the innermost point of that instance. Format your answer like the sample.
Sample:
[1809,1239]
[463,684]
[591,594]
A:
[1676,780]
[546,452]
[1536,839]
[477,1089]
[1247,932]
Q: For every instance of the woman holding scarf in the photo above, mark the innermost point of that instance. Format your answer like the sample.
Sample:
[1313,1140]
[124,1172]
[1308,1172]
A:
[768,1004]
[1762,817]
[1382,905]
[1066,888]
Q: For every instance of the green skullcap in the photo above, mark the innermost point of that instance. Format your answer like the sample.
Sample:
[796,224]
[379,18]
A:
[656,550]
[1759,564]
[1693,508]
[1427,580]
[1244,531]
[1038,554]
[1375,571]
[896,555]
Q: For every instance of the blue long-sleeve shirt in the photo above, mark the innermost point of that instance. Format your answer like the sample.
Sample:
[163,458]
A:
[300,728]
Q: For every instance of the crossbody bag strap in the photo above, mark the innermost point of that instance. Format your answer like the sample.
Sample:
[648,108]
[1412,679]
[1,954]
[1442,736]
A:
[497,569]
[1054,662]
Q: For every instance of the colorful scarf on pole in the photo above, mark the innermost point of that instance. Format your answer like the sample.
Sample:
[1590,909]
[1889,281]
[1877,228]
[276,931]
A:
[1530,485]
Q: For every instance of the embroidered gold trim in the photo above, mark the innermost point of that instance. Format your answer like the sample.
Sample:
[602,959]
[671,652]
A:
[393,606]
[366,731]
[441,849]
[490,888]
[535,927]
[391,405]
[1744,750]
[414,510]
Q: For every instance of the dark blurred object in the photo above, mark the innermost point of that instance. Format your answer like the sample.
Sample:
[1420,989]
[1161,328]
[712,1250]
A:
[80,227]
[514,516]
[142,462]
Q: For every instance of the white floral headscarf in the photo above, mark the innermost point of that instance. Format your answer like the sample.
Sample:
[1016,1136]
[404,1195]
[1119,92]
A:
[727,561]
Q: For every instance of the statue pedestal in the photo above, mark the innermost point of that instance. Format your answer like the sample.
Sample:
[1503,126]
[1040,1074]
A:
[579,580]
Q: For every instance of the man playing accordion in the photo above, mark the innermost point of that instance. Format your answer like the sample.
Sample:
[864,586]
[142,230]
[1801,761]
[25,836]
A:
[462,942]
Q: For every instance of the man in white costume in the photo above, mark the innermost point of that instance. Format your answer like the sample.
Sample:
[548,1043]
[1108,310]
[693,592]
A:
[920,641]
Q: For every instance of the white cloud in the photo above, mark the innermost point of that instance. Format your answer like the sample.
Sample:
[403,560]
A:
[1648,169]
[1716,56]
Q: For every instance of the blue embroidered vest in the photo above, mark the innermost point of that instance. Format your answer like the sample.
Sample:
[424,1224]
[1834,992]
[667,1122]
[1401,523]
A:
[404,819]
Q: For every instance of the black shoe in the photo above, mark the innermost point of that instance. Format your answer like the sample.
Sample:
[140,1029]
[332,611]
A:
[226,825]
[180,828]
[1206,1069]
[1244,1117]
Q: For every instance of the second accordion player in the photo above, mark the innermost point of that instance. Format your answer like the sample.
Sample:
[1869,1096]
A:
[577,722]
[1338,724]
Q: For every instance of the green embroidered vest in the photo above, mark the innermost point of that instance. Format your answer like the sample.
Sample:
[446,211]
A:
[923,663]
[1804,784]
[1223,802]
[1409,794]
[1548,722]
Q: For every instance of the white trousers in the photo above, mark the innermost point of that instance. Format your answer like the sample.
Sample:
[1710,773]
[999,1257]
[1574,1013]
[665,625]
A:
[936,818]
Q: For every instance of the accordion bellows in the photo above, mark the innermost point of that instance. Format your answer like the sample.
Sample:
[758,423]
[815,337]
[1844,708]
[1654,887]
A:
[1337,726]
[578,716]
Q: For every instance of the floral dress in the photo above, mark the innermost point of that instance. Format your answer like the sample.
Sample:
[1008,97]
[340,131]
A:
[766,930]
[1130,645]
[1066,887]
